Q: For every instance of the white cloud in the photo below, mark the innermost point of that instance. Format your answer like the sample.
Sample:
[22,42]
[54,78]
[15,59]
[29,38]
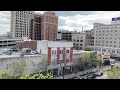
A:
[69,20]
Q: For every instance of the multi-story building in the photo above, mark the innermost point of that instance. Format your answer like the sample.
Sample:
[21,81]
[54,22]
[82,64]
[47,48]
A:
[49,26]
[65,35]
[8,43]
[79,39]
[26,44]
[21,23]
[89,37]
[45,26]
[36,32]
[107,37]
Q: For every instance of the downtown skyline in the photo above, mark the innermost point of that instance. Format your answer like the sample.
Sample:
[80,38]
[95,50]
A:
[68,20]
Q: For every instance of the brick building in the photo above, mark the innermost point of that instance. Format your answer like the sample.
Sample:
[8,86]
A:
[36,33]
[27,44]
[45,26]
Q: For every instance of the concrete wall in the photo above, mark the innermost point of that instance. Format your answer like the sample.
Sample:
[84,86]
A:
[6,64]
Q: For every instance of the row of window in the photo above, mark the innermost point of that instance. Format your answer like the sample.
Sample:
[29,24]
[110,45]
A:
[106,38]
[78,40]
[107,31]
[105,50]
[107,42]
[61,51]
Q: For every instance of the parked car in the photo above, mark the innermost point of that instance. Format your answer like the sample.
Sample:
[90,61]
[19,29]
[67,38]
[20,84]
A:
[91,76]
[99,73]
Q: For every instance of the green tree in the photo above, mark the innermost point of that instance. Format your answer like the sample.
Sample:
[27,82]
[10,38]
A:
[36,76]
[18,67]
[87,49]
[113,73]
[85,59]
[43,66]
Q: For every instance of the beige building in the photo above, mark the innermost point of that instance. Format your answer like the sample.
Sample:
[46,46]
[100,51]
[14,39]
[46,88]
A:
[21,23]
[107,37]
[79,39]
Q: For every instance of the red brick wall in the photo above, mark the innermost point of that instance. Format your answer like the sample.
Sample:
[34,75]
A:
[36,35]
[49,55]
[52,33]
[27,44]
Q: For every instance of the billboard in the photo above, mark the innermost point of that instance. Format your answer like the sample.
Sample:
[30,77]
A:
[116,18]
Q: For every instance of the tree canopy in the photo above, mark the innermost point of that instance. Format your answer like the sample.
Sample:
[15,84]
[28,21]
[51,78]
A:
[87,49]
[113,73]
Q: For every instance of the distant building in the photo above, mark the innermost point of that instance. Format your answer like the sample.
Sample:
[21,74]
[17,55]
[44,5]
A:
[64,35]
[79,39]
[45,26]
[27,44]
[21,24]
[8,43]
[37,26]
[56,50]
[106,37]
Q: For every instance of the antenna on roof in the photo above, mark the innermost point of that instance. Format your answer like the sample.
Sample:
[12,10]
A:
[82,28]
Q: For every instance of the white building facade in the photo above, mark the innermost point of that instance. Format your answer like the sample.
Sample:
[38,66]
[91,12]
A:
[58,52]
[107,37]
[21,23]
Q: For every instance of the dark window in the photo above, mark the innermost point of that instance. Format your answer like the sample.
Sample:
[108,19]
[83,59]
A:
[60,51]
[54,52]
[67,51]
[81,40]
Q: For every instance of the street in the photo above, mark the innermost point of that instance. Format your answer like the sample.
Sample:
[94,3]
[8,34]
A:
[102,69]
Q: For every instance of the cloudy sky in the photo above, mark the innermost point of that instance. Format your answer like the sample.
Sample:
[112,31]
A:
[68,20]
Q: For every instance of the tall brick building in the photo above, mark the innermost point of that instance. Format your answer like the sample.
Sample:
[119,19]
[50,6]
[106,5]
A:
[45,26]
[36,33]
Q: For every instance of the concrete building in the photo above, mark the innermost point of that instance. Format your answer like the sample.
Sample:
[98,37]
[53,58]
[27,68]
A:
[89,37]
[21,23]
[65,35]
[47,47]
[8,43]
[106,37]
[32,63]
[79,39]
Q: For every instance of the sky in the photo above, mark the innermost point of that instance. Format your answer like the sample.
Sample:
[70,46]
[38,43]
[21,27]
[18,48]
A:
[68,20]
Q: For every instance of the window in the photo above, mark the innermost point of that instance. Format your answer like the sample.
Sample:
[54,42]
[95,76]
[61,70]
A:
[106,41]
[110,45]
[61,51]
[108,50]
[113,51]
[110,41]
[80,44]
[77,40]
[118,51]
[67,51]
[114,45]
[81,40]
[114,41]
[54,52]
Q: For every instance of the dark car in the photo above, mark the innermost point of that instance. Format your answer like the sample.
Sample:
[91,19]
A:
[91,76]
